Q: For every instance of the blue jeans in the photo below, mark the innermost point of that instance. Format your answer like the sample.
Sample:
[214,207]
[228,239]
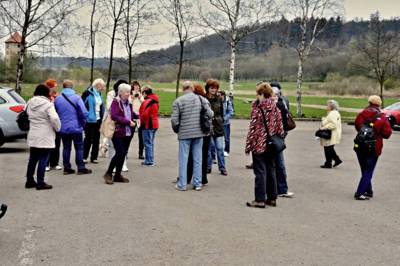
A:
[212,149]
[39,157]
[67,140]
[219,146]
[227,132]
[195,146]
[367,164]
[281,173]
[148,140]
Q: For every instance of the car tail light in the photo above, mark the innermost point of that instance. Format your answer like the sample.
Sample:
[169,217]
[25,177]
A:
[17,108]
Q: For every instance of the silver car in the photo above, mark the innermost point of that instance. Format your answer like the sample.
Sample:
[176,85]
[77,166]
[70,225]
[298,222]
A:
[11,104]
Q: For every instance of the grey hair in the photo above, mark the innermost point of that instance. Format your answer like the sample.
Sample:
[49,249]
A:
[98,82]
[334,104]
[124,88]
[276,91]
[187,85]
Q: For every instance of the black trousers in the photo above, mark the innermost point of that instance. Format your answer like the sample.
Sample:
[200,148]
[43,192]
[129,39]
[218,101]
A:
[330,155]
[121,146]
[204,180]
[141,144]
[265,177]
[54,158]
[92,140]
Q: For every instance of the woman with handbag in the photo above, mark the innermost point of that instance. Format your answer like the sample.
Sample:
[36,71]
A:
[333,123]
[265,131]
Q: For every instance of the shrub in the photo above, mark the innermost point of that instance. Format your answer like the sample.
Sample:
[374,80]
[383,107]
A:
[357,85]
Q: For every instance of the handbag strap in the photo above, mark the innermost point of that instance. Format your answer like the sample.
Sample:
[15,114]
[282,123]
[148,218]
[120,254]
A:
[68,100]
[264,120]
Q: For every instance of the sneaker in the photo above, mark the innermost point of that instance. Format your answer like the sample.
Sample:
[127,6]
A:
[147,164]
[199,188]
[84,171]
[369,194]
[43,186]
[361,197]
[94,161]
[57,167]
[226,154]
[224,172]
[326,166]
[108,179]
[124,168]
[85,161]
[287,195]
[255,204]
[114,171]
[30,184]
[69,171]
[179,189]
[47,168]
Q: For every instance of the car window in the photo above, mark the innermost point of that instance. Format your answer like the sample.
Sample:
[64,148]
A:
[16,96]
[394,107]
[2,100]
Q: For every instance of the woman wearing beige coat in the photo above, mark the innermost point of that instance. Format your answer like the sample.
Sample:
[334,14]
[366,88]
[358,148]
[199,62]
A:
[332,122]
[43,125]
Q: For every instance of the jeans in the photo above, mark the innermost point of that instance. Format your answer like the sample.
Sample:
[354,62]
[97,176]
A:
[148,140]
[204,155]
[219,146]
[54,157]
[281,176]
[92,140]
[185,146]
[121,146]
[39,157]
[212,149]
[367,164]
[141,144]
[265,180]
[67,140]
[330,155]
[227,133]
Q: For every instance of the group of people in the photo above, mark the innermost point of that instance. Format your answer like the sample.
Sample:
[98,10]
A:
[201,120]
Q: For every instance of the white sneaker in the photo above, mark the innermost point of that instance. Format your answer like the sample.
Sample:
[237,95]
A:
[287,195]
[226,154]
[114,171]
[125,168]
[47,168]
[57,167]
[199,188]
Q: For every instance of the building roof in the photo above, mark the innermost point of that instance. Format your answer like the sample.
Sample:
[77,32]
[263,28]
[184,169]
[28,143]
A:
[14,38]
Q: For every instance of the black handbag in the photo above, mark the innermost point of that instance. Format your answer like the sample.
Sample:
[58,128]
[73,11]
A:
[275,144]
[323,133]
[205,123]
[23,120]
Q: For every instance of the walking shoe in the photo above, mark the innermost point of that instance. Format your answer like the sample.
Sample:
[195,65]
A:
[271,203]
[141,157]
[199,188]
[84,171]
[43,186]
[125,168]
[85,161]
[69,171]
[287,195]
[94,161]
[180,189]
[360,197]
[226,154]
[57,167]
[114,170]
[147,164]
[369,194]
[224,172]
[326,166]
[249,166]
[30,184]
[255,204]
[121,179]
[47,168]
[108,179]
[337,163]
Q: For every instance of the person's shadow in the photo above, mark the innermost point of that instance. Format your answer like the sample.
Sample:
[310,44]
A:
[12,150]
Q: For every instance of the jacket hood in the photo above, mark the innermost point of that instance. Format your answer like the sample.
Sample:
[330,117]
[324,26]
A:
[153,97]
[38,102]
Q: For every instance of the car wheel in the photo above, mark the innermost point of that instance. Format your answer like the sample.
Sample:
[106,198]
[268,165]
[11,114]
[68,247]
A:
[2,141]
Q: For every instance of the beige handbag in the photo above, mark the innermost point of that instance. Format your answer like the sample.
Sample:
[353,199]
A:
[108,127]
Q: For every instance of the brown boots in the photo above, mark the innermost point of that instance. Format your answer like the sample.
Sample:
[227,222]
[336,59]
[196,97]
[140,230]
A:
[109,179]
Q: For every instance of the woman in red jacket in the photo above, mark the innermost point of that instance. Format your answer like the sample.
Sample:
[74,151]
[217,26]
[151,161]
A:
[148,113]
[367,160]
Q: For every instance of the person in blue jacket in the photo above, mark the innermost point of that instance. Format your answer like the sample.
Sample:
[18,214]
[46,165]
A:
[95,106]
[228,114]
[73,115]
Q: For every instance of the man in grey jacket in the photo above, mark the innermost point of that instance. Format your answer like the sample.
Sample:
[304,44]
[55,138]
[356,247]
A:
[185,121]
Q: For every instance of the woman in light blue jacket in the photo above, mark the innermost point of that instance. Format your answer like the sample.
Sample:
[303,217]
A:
[228,114]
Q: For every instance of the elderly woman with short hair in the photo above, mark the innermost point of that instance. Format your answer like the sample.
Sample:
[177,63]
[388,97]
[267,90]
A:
[332,122]
[122,113]
[95,106]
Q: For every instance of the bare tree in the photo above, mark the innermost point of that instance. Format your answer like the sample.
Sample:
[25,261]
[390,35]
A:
[310,17]
[178,13]
[36,20]
[233,20]
[94,25]
[380,48]
[115,10]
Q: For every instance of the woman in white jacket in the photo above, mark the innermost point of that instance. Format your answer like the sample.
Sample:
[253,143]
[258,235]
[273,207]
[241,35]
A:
[332,122]
[43,125]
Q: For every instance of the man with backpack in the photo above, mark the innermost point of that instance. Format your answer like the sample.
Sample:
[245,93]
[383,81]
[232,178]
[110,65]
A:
[372,127]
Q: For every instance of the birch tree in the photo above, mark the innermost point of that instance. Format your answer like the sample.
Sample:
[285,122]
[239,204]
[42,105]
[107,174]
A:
[36,20]
[310,17]
[380,48]
[233,20]
[178,13]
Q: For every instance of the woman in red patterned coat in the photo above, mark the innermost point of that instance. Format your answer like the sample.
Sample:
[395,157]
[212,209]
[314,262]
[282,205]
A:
[264,112]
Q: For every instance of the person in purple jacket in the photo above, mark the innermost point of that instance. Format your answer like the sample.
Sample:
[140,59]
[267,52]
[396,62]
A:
[121,112]
[73,115]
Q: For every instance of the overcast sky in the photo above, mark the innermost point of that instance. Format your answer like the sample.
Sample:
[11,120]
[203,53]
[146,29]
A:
[161,35]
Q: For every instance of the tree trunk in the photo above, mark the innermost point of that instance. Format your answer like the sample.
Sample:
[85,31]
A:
[20,68]
[178,76]
[232,69]
[130,61]
[381,85]
[92,65]
[111,57]
[299,85]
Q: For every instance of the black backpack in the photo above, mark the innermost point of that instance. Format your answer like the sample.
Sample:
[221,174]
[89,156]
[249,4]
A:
[23,120]
[204,120]
[365,140]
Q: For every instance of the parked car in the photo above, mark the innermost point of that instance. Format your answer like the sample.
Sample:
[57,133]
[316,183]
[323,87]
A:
[11,104]
[393,113]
